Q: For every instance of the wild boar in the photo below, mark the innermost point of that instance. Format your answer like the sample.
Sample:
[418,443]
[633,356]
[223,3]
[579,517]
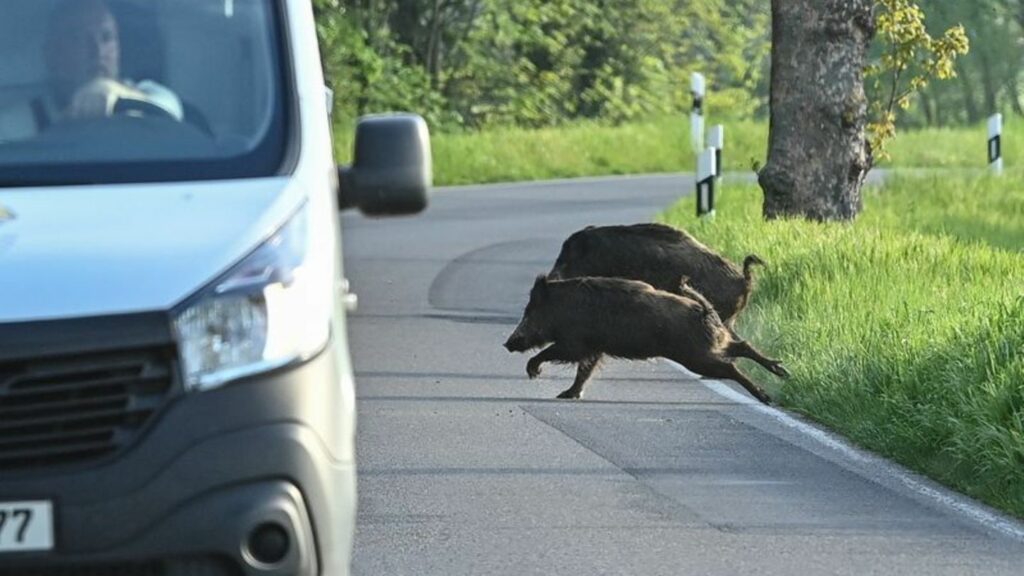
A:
[584,319]
[658,255]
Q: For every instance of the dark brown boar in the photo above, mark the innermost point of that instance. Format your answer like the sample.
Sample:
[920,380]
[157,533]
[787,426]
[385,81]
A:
[585,318]
[658,255]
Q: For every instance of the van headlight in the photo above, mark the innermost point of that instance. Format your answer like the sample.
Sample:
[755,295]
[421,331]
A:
[270,310]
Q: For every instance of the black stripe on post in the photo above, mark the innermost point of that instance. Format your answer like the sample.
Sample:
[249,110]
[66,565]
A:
[697,88]
[706,196]
[706,182]
[995,148]
[995,143]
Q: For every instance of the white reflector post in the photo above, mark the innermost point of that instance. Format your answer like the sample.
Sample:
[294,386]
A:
[995,143]
[697,115]
[706,182]
[716,140]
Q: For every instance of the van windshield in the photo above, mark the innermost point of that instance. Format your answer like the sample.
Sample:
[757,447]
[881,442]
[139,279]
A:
[102,91]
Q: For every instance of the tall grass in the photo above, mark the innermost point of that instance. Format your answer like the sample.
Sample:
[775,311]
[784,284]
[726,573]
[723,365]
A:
[903,331]
[961,147]
[662,145]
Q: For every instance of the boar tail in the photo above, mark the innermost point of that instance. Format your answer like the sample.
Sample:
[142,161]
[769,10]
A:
[686,290]
[748,263]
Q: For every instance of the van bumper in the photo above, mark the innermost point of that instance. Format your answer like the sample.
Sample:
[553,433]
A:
[255,478]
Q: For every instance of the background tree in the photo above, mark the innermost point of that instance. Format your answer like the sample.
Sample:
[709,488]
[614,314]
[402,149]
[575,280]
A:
[817,151]
[471,64]
[910,59]
[478,63]
[988,77]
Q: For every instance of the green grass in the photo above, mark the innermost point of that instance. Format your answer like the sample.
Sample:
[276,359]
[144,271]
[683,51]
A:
[963,147]
[903,331]
[580,150]
[592,149]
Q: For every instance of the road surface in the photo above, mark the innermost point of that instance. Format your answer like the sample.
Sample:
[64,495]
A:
[467,467]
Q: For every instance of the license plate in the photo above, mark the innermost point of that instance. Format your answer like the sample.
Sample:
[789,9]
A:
[26,526]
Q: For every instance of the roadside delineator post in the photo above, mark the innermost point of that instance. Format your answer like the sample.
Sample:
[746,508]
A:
[706,183]
[995,144]
[716,140]
[697,89]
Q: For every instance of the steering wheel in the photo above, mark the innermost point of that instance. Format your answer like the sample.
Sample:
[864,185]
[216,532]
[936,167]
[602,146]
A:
[134,107]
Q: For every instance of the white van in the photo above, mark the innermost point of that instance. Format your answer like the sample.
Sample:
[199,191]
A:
[176,396]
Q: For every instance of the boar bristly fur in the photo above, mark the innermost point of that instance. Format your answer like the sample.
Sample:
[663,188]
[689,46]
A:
[658,255]
[584,319]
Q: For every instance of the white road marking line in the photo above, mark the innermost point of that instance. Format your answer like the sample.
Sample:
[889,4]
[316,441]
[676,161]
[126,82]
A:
[957,502]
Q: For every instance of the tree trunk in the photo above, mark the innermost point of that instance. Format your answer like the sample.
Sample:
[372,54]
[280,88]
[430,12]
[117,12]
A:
[926,107]
[989,84]
[1014,89]
[967,90]
[818,156]
[434,41]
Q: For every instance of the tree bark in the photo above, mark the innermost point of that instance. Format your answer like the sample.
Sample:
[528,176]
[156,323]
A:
[967,89]
[818,155]
[1014,90]
[989,84]
[926,107]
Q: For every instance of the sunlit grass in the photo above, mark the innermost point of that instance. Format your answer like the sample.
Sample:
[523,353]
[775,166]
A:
[962,147]
[663,145]
[584,149]
[905,330]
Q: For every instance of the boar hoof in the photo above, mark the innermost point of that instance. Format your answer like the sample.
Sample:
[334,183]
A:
[779,370]
[532,370]
[569,395]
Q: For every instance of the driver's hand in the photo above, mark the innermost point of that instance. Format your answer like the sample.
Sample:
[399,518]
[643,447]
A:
[97,98]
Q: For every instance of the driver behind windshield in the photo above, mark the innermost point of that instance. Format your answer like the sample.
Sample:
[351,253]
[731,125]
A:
[83,58]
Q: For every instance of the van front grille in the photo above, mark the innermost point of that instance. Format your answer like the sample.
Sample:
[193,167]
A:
[75,409]
[199,566]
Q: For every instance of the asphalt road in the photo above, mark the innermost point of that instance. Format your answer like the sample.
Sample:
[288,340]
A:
[467,467]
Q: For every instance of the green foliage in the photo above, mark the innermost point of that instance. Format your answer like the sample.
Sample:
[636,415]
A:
[367,71]
[988,77]
[912,58]
[730,42]
[477,63]
[523,66]
[902,332]
[470,64]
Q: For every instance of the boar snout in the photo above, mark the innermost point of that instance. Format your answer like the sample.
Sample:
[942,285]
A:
[515,344]
[517,341]
[523,339]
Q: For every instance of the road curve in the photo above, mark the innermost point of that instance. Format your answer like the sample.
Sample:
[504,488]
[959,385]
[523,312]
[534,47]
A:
[467,467]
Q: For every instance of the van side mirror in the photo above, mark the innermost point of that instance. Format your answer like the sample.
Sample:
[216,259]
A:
[392,168]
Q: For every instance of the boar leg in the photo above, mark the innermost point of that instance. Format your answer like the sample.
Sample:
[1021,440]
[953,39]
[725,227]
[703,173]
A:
[741,348]
[584,369]
[725,370]
[553,353]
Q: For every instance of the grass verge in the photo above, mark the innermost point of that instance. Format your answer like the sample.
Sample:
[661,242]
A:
[903,331]
[593,149]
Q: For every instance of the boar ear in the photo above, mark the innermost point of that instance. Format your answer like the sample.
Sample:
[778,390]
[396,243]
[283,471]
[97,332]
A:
[540,286]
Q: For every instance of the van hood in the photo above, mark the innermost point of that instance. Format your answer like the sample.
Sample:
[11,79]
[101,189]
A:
[99,250]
